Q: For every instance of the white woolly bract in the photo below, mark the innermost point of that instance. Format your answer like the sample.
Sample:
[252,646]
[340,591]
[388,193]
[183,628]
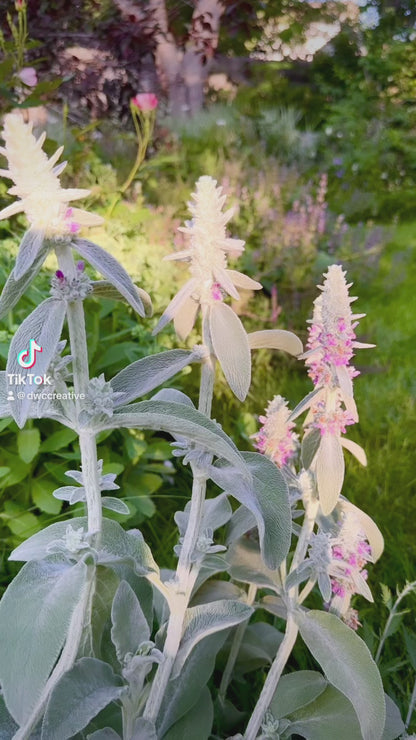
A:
[207,253]
[37,185]
[334,302]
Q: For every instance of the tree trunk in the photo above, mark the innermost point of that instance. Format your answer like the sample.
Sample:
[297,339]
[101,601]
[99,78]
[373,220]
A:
[183,71]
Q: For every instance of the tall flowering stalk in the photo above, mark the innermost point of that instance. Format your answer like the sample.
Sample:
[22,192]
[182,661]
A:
[330,349]
[334,557]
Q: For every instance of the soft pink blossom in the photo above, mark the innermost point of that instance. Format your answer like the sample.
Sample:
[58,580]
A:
[331,421]
[28,76]
[350,554]
[276,439]
[145,102]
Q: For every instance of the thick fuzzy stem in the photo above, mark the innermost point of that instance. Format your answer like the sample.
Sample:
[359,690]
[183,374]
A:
[79,352]
[270,685]
[186,571]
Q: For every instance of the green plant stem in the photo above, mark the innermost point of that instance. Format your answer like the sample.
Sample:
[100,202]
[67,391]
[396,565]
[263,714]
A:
[406,591]
[306,590]
[270,685]
[187,571]
[143,135]
[411,707]
[79,352]
[272,679]
[66,659]
[235,647]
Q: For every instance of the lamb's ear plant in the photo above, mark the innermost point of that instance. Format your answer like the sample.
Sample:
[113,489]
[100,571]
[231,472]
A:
[96,641]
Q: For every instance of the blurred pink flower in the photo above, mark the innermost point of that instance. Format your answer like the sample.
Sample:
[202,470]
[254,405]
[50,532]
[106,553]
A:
[145,101]
[28,76]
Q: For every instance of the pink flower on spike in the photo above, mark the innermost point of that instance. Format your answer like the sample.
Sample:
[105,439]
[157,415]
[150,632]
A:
[276,439]
[145,102]
[350,554]
[28,76]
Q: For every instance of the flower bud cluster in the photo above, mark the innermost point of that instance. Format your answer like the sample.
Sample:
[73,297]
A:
[71,289]
[100,398]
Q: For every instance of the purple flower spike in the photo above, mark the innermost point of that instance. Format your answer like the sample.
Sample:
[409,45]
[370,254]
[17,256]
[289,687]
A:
[81,266]
[60,275]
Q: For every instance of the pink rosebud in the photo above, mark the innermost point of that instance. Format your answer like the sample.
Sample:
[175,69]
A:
[28,76]
[145,101]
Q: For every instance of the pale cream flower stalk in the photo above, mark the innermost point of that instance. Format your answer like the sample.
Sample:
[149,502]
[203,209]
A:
[207,254]
[40,194]
[211,282]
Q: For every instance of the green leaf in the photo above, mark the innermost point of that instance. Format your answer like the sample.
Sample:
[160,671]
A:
[81,693]
[14,289]
[107,733]
[111,269]
[8,726]
[18,469]
[330,468]
[205,619]
[144,729]
[42,490]
[144,375]
[20,522]
[106,584]
[197,723]
[258,648]
[268,500]
[35,613]
[130,627]
[115,504]
[348,665]
[230,342]
[247,565]
[410,640]
[116,546]
[58,440]
[28,443]
[179,419]
[4,471]
[329,715]
[296,690]
[44,325]
[394,726]
[183,693]
[276,339]
[310,446]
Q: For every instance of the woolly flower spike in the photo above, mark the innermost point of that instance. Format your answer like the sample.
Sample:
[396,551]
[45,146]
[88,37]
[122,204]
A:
[332,338]
[207,253]
[41,197]
[276,439]
[332,408]
[350,554]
